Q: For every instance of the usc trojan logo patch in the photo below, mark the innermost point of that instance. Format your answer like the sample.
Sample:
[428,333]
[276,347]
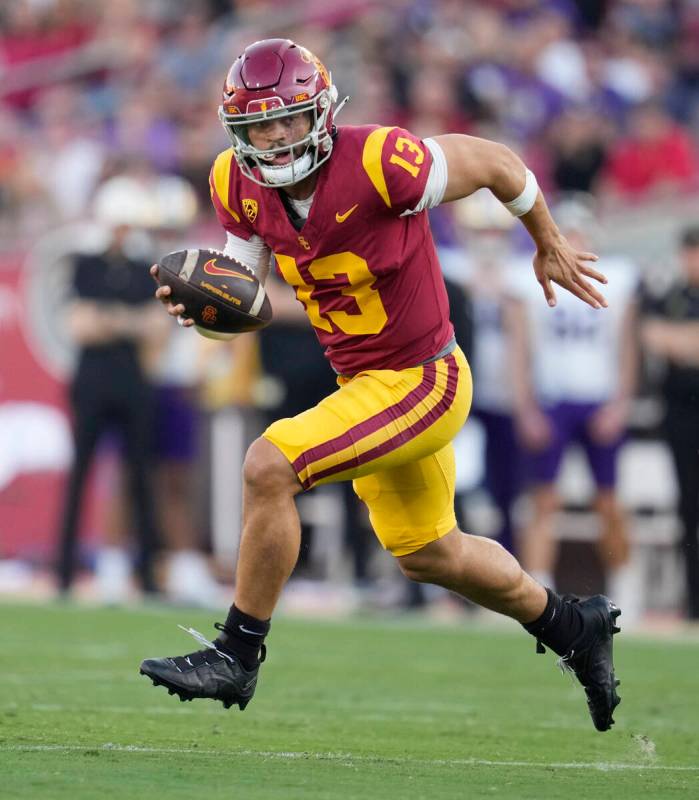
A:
[210,268]
[208,315]
[250,208]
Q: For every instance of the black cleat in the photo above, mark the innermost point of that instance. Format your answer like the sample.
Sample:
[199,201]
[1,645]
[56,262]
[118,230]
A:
[209,673]
[589,658]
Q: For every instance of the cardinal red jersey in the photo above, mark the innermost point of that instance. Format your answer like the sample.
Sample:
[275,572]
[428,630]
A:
[368,277]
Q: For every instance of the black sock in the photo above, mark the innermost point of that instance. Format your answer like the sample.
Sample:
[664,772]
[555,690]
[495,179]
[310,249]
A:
[244,636]
[559,625]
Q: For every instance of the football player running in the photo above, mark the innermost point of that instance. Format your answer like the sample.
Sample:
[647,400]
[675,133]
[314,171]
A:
[342,209]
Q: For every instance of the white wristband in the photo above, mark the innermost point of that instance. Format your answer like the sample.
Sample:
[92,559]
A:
[525,201]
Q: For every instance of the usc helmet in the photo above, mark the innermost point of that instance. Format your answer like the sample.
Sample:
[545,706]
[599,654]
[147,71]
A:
[272,79]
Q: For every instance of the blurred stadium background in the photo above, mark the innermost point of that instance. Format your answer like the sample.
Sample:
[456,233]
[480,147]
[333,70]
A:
[598,96]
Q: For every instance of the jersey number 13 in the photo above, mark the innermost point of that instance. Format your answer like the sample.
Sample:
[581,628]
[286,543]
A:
[372,315]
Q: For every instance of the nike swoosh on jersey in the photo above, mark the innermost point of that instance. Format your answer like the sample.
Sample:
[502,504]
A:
[342,217]
[211,269]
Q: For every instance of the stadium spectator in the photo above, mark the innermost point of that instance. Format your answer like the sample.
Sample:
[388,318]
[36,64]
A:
[69,156]
[574,373]
[656,158]
[683,91]
[191,53]
[142,73]
[38,44]
[578,141]
[671,331]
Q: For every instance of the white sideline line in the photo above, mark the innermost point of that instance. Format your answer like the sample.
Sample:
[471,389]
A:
[345,758]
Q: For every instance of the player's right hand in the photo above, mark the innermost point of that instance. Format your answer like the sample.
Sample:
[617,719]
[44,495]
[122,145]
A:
[163,293]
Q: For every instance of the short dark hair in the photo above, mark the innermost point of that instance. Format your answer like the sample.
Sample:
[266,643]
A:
[690,236]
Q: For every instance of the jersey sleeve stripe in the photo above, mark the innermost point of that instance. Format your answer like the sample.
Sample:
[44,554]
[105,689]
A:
[390,429]
[220,180]
[371,161]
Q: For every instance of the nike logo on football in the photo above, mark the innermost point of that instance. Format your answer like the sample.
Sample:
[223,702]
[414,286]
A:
[211,269]
[342,217]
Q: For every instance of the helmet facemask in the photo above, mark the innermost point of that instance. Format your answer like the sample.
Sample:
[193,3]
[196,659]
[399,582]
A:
[306,154]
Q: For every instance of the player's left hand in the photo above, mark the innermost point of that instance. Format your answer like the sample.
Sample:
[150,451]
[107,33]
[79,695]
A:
[562,264]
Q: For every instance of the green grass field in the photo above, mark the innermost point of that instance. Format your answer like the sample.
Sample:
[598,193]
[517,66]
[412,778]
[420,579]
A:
[364,708]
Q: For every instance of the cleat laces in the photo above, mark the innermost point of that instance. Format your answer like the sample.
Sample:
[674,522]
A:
[212,646]
[564,666]
[200,656]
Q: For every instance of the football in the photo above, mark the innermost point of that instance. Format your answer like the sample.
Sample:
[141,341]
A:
[222,296]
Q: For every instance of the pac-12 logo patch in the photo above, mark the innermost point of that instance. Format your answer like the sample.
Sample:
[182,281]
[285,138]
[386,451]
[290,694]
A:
[250,208]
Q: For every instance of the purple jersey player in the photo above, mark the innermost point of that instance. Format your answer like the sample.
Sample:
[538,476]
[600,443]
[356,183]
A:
[574,374]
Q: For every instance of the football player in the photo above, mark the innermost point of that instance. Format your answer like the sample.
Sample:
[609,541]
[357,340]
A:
[342,211]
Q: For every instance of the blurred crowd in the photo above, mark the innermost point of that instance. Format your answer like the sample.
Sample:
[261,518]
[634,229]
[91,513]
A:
[597,95]
[600,97]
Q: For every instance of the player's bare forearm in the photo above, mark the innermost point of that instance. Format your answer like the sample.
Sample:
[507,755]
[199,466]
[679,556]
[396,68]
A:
[473,164]
[93,323]
[676,341]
